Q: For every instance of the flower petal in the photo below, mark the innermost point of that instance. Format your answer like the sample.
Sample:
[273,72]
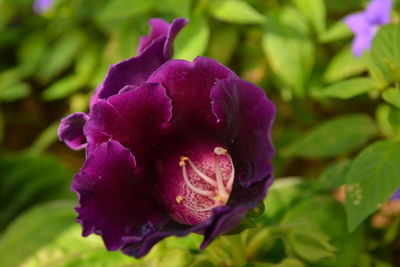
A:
[358,23]
[136,118]
[189,85]
[159,28]
[378,11]
[396,195]
[361,43]
[246,116]
[154,50]
[71,130]
[115,197]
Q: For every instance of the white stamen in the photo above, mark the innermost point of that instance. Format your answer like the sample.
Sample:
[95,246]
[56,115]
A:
[201,174]
[201,210]
[231,178]
[221,188]
[191,186]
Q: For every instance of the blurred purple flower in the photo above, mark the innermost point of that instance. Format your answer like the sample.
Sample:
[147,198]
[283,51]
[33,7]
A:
[172,146]
[365,24]
[396,195]
[41,6]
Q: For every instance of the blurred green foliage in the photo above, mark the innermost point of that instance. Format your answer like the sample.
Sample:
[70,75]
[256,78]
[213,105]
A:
[338,124]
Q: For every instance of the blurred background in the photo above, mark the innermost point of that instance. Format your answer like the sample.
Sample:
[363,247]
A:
[53,54]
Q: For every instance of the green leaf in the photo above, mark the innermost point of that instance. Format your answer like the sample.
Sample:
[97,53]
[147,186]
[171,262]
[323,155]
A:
[315,11]
[193,39]
[30,179]
[385,52]
[392,96]
[335,137]
[235,11]
[288,48]
[372,179]
[346,89]
[335,175]
[224,43]
[11,86]
[63,88]
[344,65]
[122,9]
[388,119]
[60,56]
[336,32]
[33,230]
[310,243]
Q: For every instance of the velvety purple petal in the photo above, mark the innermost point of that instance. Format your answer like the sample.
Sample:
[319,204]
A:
[358,23]
[378,11]
[159,28]
[189,85]
[71,130]
[133,71]
[246,116]
[396,195]
[361,43]
[95,97]
[136,119]
[115,197]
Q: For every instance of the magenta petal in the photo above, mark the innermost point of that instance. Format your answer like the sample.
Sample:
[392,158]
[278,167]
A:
[115,198]
[133,71]
[158,27]
[378,11]
[136,118]
[396,195]
[189,85]
[246,115]
[71,130]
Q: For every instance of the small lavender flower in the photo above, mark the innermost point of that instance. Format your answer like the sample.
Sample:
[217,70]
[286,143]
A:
[41,6]
[396,195]
[365,24]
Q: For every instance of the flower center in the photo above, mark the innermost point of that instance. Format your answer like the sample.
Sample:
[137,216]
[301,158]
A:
[220,187]
[195,182]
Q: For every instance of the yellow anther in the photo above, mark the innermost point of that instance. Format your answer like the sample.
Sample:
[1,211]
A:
[220,151]
[179,199]
[218,198]
[182,161]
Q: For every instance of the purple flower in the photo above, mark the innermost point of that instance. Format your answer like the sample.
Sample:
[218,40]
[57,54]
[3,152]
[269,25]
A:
[41,6]
[365,24]
[396,195]
[173,147]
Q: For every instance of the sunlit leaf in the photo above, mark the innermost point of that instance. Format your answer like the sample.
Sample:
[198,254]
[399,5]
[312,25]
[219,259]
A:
[335,175]
[372,179]
[392,96]
[315,11]
[235,11]
[334,137]
[346,89]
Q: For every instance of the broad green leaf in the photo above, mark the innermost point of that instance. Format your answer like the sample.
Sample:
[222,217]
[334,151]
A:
[60,56]
[372,179]
[30,179]
[385,51]
[334,175]
[388,120]
[288,49]
[392,96]
[346,89]
[63,88]
[235,11]
[34,229]
[335,137]
[344,65]
[30,52]
[315,11]
[193,39]
[12,87]
[2,126]
[120,9]
[47,137]
[223,43]
[310,243]
[336,32]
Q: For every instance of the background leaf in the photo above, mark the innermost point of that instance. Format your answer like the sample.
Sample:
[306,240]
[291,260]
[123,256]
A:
[235,11]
